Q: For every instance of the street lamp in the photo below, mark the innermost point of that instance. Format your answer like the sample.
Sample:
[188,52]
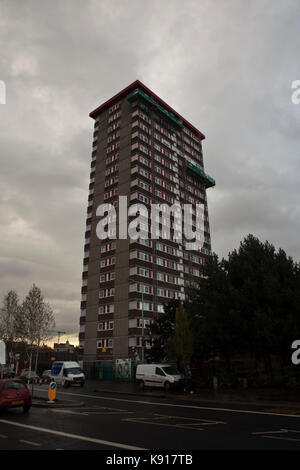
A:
[131,281]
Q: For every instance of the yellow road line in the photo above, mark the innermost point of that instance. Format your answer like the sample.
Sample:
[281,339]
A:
[30,443]
[73,436]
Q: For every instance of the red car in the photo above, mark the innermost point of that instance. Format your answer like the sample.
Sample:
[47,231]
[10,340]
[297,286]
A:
[14,392]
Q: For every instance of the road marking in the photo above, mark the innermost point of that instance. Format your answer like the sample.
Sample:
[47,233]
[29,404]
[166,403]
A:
[282,410]
[156,419]
[290,430]
[30,443]
[142,402]
[69,412]
[143,421]
[94,411]
[204,422]
[73,436]
[282,438]
[270,434]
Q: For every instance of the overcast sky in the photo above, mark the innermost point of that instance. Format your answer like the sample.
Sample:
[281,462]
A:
[226,66]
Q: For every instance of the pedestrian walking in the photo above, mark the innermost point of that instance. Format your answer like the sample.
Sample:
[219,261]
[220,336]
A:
[188,379]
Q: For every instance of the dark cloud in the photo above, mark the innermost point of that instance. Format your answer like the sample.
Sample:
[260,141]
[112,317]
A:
[227,67]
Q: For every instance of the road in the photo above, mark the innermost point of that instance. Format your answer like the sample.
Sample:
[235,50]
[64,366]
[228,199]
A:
[127,422]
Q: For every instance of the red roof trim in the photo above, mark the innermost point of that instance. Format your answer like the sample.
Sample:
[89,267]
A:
[131,87]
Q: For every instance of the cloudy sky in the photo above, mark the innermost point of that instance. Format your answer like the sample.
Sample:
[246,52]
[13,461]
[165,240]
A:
[226,66]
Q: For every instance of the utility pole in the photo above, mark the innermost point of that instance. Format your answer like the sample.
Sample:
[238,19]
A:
[131,281]
[143,339]
[59,335]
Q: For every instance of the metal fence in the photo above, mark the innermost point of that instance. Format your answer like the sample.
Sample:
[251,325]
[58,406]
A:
[110,371]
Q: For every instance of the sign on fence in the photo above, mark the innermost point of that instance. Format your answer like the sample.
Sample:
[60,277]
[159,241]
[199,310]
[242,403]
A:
[123,368]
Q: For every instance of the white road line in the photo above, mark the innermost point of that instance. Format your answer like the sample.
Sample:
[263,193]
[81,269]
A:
[204,422]
[282,438]
[142,421]
[290,430]
[227,410]
[270,435]
[73,436]
[193,424]
[282,431]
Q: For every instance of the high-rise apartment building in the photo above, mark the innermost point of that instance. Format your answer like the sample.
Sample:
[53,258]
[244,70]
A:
[144,150]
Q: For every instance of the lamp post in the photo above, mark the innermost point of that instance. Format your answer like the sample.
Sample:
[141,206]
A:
[131,281]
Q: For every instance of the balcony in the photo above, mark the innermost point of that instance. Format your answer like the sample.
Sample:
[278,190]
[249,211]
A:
[138,92]
[208,181]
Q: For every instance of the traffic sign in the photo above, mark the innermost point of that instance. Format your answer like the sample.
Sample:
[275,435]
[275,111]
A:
[52,392]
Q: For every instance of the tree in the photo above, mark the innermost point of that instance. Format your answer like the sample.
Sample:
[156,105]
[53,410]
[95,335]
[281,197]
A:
[215,321]
[180,345]
[161,329]
[8,314]
[34,321]
[248,304]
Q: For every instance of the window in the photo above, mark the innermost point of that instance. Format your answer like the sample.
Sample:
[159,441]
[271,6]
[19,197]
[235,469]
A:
[104,343]
[107,262]
[145,288]
[106,293]
[108,247]
[106,308]
[112,158]
[106,325]
[113,137]
[113,147]
[146,306]
[113,117]
[14,385]
[144,256]
[107,277]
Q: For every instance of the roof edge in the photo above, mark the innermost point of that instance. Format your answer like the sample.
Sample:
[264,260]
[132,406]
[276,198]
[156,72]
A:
[137,83]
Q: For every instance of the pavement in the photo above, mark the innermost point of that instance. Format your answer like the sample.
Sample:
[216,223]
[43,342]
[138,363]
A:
[240,396]
[261,397]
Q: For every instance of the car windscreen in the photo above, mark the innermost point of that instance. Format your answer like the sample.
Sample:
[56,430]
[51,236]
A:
[170,370]
[73,370]
[14,385]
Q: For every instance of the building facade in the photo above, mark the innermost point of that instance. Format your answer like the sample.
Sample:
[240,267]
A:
[146,151]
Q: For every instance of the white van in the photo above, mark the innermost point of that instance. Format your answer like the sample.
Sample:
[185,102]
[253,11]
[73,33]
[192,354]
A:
[67,373]
[158,375]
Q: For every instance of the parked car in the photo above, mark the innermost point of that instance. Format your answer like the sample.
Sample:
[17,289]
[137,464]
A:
[7,372]
[46,375]
[30,375]
[158,375]
[14,392]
